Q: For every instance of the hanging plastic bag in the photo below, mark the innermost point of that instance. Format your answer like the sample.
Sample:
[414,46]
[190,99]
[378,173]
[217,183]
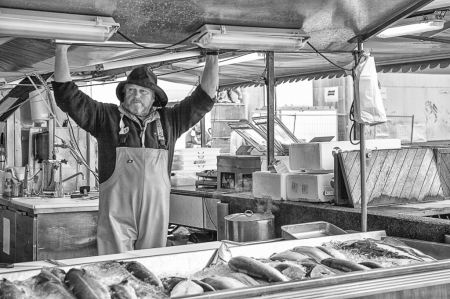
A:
[369,108]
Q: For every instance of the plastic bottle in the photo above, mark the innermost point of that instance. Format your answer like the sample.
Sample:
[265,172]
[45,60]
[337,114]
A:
[7,190]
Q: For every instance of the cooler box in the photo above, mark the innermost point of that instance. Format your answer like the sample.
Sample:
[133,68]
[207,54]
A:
[195,159]
[311,187]
[182,178]
[269,185]
[318,156]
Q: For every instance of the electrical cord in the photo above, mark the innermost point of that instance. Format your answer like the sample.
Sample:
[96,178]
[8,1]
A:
[309,44]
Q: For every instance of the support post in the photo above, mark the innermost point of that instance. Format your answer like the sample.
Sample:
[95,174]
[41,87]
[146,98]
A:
[270,86]
[362,156]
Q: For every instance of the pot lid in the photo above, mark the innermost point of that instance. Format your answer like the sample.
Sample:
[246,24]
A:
[249,216]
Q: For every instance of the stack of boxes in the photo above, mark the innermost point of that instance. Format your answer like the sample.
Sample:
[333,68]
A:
[187,162]
[312,166]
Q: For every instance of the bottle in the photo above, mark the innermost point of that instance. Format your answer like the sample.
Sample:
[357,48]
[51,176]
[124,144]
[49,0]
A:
[7,190]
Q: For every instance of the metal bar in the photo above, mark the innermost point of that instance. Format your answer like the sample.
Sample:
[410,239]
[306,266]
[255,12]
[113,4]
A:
[399,15]
[427,39]
[412,129]
[270,87]
[203,130]
[362,157]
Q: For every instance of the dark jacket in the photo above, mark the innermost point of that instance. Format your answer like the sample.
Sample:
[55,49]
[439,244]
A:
[102,121]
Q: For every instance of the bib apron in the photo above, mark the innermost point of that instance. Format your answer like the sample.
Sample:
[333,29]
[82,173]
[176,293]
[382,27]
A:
[134,201]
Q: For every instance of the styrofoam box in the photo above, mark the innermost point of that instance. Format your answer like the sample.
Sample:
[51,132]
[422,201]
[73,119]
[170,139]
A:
[194,157]
[194,167]
[309,187]
[195,162]
[183,178]
[269,185]
[318,156]
[189,153]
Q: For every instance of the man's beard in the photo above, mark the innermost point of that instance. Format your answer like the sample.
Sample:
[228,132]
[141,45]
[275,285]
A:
[138,109]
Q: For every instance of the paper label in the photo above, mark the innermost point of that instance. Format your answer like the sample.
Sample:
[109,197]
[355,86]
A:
[6,235]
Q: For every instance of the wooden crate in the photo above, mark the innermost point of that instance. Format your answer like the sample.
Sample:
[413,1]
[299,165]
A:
[230,111]
[396,176]
[221,128]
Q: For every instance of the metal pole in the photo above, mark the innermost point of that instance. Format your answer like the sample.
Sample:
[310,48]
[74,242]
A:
[270,84]
[203,134]
[362,156]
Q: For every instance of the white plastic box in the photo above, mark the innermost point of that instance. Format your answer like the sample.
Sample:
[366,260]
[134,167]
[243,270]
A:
[309,187]
[318,156]
[269,185]
[182,178]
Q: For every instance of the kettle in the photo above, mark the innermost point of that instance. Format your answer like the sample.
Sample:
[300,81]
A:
[249,226]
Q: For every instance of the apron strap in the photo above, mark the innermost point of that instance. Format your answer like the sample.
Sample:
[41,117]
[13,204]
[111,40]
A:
[161,139]
[123,133]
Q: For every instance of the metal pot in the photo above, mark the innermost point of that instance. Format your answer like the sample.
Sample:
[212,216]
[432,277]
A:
[249,226]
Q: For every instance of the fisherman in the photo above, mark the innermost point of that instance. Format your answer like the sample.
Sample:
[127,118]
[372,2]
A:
[136,142]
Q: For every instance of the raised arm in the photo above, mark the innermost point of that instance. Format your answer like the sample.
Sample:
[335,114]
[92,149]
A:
[210,77]
[62,73]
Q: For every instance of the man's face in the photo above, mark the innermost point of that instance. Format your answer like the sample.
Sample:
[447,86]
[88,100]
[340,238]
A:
[138,100]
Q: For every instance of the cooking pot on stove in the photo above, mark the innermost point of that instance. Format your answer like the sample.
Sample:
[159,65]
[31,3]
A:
[249,226]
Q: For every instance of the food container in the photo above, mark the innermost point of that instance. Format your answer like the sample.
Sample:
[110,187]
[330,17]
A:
[310,230]
[249,226]
[269,185]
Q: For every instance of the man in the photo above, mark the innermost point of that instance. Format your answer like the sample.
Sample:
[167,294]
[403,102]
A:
[194,136]
[136,142]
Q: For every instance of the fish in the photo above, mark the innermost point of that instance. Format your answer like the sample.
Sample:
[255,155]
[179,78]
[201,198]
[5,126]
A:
[294,273]
[142,273]
[223,283]
[288,256]
[8,290]
[378,248]
[320,271]
[312,252]
[244,278]
[402,246]
[371,264]
[112,272]
[343,265]
[170,282]
[206,287]
[185,288]
[255,268]
[122,291]
[60,273]
[332,252]
[85,286]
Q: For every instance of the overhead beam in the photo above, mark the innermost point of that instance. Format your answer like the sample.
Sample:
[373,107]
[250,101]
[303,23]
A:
[171,67]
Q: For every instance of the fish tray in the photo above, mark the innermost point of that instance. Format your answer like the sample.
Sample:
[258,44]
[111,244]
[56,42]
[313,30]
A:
[310,230]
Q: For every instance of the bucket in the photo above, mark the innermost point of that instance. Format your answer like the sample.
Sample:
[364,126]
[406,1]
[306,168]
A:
[249,226]
[39,109]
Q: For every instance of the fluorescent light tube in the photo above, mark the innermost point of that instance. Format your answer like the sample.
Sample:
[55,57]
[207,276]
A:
[238,59]
[412,29]
[218,37]
[49,25]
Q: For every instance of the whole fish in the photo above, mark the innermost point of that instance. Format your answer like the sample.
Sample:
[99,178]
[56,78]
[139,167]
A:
[223,283]
[206,287]
[320,271]
[378,248]
[185,288]
[122,291]
[312,252]
[402,246]
[244,278]
[170,282]
[288,256]
[332,252]
[371,264]
[61,274]
[294,272]
[9,291]
[52,290]
[112,272]
[255,268]
[142,273]
[85,286]
[343,265]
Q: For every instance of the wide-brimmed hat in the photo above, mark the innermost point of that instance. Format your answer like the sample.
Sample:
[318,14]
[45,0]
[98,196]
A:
[144,77]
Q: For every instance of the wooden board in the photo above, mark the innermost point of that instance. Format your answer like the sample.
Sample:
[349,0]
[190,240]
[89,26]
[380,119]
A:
[397,176]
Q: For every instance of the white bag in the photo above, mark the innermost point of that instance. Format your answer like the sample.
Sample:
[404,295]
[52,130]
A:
[369,108]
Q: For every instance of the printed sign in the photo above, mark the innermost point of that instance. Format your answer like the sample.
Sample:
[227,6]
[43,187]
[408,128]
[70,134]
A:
[331,94]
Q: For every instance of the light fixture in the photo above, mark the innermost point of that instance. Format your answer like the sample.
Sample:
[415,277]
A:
[50,25]
[235,59]
[216,37]
[423,26]
[139,61]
